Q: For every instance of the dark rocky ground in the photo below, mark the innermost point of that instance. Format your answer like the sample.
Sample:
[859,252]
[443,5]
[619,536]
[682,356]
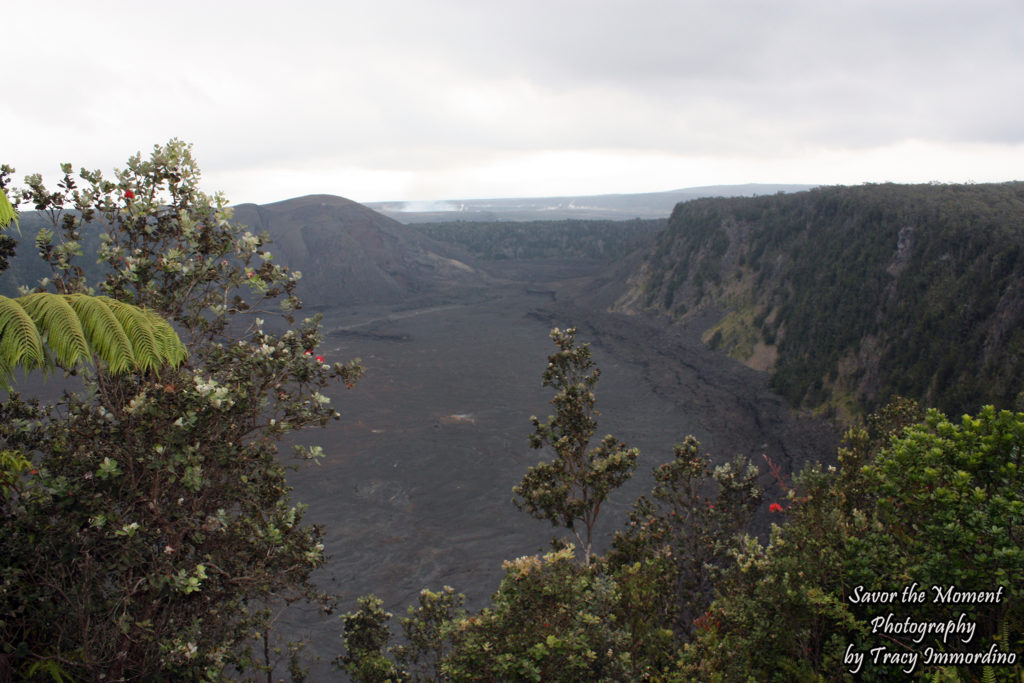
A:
[415,490]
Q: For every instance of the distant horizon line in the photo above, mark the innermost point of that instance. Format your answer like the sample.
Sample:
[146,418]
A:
[695,188]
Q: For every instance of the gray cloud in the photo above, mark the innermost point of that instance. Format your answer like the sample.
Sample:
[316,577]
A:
[399,90]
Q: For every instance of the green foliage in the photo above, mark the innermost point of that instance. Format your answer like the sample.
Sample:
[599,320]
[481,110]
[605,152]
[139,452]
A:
[935,503]
[958,487]
[570,489]
[679,536]
[551,620]
[779,614]
[428,631]
[156,533]
[366,634]
[12,466]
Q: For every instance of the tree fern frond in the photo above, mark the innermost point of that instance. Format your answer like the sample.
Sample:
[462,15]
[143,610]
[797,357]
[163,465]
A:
[139,328]
[7,212]
[169,346]
[59,326]
[103,332]
[20,342]
[154,342]
[74,327]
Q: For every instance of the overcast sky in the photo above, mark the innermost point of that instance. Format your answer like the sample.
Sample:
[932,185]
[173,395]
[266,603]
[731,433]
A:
[448,99]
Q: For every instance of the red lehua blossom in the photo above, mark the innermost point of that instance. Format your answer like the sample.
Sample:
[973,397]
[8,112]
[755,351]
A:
[128,194]
[250,273]
[775,507]
[319,359]
[33,471]
[307,352]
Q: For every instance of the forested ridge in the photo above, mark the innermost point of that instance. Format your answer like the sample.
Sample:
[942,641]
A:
[562,239]
[850,295]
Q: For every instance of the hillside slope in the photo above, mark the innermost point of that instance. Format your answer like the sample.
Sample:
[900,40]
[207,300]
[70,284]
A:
[852,294]
[347,253]
[350,254]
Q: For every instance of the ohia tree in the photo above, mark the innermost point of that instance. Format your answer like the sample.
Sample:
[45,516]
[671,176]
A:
[569,490]
[155,533]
